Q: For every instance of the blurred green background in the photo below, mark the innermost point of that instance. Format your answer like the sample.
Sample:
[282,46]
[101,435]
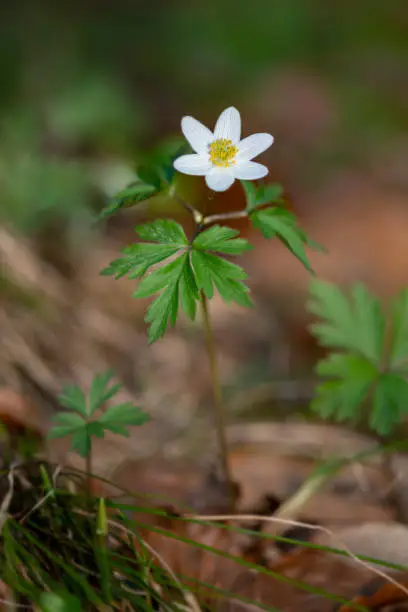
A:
[86,85]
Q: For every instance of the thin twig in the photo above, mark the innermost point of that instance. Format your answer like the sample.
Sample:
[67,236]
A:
[197,216]
[241,214]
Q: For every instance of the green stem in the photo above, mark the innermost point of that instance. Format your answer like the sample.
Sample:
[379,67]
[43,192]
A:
[219,407]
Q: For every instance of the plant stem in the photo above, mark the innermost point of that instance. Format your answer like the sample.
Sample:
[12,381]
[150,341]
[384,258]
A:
[219,407]
[239,214]
[88,482]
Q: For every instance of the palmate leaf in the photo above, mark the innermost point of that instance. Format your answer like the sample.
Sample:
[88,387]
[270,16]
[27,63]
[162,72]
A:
[278,222]
[177,283]
[354,323]
[65,424]
[163,231]
[81,426]
[221,239]
[212,272]
[118,418]
[398,352]
[138,258]
[101,391]
[370,371]
[73,398]
[260,195]
[131,195]
[351,377]
[155,174]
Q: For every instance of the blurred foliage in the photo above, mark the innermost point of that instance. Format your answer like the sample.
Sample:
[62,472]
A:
[85,81]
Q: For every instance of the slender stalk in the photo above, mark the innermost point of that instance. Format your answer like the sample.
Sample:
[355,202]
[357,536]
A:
[219,407]
[88,481]
[241,214]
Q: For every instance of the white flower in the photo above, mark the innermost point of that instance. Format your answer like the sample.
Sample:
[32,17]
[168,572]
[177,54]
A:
[221,156]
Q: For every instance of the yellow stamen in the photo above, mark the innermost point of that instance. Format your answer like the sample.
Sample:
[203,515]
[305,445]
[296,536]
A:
[223,152]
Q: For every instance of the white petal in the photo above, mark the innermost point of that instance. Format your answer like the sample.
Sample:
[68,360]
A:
[219,179]
[254,145]
[229,125]
[193,164]
[197,134]
[249,171]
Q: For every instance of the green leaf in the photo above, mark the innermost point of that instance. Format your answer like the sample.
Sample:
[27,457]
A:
[389,403]
[351,377]
[101,392]
[117,418]
[398,354]
[163,231]
[356,324]
[211,270]
[257,196]
[163,311]
[221,239]
[133,194]
[73,398]
[138,258]
[250,194]
[276,221]
[65,424]
[81,442]
[157,166]
[157,279]
[176,282]
[202,273]
[188,290]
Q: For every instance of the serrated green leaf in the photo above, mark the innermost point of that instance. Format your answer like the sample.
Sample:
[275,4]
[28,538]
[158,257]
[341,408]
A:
[398,354]
[257,196]
[157,279]
[280,223]
[188,290]
[355,324]
[212,270]
[65,424]
[73,398]
[138,258]
[369,322]
[221,239]
[233,291]
[118,418]
[100,392]
[352,378]
[133,194]
[163,231]
[163,311]
[389,403]
[176,281]
[202,274]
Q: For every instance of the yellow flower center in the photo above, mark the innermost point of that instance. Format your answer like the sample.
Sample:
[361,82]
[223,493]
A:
[223,152]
